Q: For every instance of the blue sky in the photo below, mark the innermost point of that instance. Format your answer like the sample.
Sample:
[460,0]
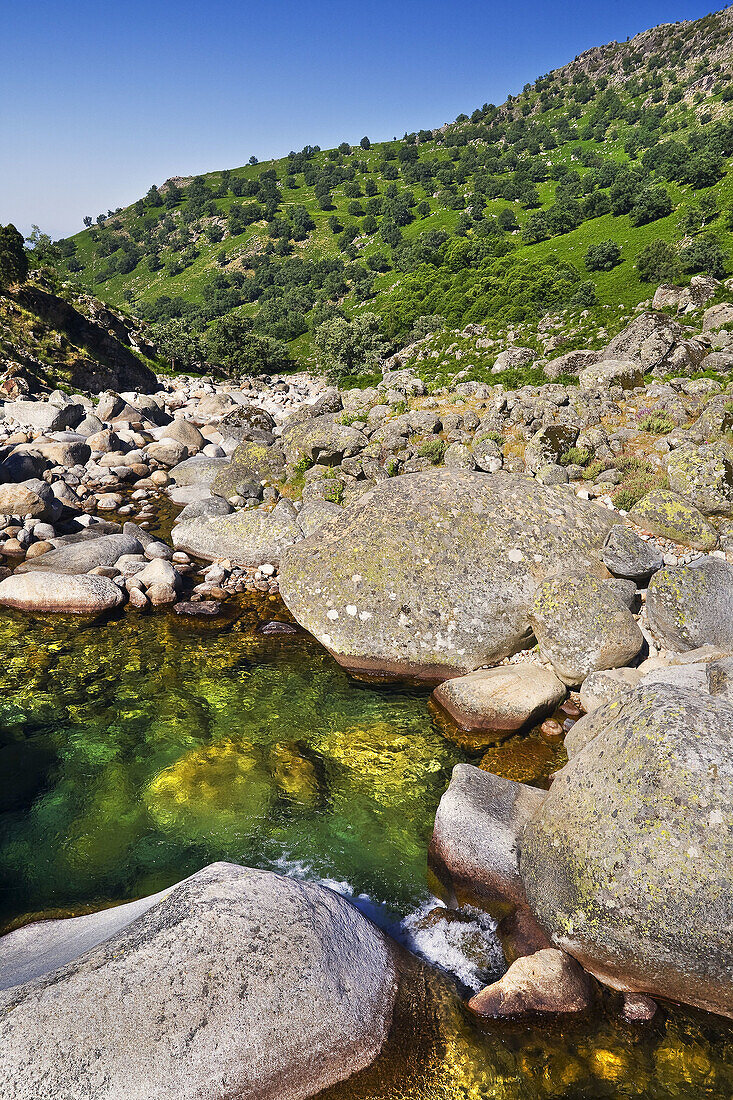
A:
[98,101]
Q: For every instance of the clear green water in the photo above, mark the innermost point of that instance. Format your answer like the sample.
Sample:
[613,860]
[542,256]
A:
[133,753]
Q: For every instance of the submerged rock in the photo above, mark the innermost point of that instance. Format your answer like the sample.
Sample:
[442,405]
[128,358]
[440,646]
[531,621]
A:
[628,862]
[433,574]
[234,982]
[548,981]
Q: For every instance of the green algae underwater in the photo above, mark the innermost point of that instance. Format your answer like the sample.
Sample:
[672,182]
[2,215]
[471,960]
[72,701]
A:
[135,751]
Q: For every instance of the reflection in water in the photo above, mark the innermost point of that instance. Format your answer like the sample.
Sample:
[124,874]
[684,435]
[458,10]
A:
[134,753]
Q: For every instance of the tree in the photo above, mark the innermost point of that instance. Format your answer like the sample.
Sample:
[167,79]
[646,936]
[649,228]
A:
[88,220]
[175,341]
[651,204]
[506,219]
[365,143]
[347,347]
[13,258]
[603,256]
[703,254]
[234,348]
[253,160]
[657,263]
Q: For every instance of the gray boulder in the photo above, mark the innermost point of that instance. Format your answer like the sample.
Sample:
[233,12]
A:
[321,439]
[625,554]
[59,592]
[234,982]
[692,605]
[250,537]
[648,340]
[665,513]
[82,556]
[29,498]
[582,625]
[642,896]
[433,574]
[43,416]
[246,422]
[252,464]
[625,373]
[315,514]
[606,685]
[704,476]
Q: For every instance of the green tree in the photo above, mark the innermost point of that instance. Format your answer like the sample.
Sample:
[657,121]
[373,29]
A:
[233,347]
[178,344]
[657,263]
[703,254]
[13,258]
[651,204]
[603,256]
[350,346]
[365,143]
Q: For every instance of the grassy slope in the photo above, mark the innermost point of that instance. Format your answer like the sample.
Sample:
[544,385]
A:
[620,286]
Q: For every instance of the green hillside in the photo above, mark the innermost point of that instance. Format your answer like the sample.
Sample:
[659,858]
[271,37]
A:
[488,219]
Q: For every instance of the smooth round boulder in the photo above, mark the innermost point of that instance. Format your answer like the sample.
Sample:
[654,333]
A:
[59,592]
[81,557]
[547,982]
[234,982]
[628,863]
[433,574]
[501,700]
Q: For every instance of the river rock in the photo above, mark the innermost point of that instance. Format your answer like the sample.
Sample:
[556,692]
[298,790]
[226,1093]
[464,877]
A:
[606,685]
[628,862]
[49,591]
[500,699]
[29,498]
[433,574]
[183,432]
[665,513]
[704,476]
[582,626]
[548,981]
[321,440]
[43,416]
[82,556]
[315,514]
[252,462]
[250,538]
[234,982]
[246,422]
[692,605]
[474,849]
[626,554]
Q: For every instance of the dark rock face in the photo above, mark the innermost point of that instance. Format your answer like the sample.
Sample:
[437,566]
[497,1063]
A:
[111,363]
[235,982]
[433,574]
[628,863]
[692,605]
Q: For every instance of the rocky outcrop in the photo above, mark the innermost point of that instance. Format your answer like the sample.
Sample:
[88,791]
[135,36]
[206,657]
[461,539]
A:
[234,982]
[433,574]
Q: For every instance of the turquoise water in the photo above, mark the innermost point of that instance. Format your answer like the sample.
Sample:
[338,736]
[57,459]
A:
[135,752]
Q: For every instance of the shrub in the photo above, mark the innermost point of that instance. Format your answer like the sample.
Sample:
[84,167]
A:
[657,263]
[434,449]
[658,423]
[603,256]
[576,456]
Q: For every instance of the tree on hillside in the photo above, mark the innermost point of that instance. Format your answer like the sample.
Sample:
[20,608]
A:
[13,259]
[175,341]
[603,256]
[233,347]
[88,220]
[651,204]
[703,254]
[348,347]
[657,263]
[365,143]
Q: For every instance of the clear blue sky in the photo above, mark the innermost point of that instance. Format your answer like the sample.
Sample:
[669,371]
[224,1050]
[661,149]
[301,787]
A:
[98,101]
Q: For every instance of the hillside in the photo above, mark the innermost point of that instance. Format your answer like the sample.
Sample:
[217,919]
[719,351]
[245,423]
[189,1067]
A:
[488,219]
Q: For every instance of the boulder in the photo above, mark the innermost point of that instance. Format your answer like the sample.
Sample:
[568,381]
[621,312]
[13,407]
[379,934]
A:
[606,685]
[548,981]
[648,340]
[582,625]
[234,982]
[720,316]
[58,453]
[433,574]
[185,433]
[246,422]
[43,416]
[58,592]
[199,470]
[665,513]
[321,439]
[628,863]
[572,362]
[83,556]
[627,555]
[253,463]
[250,537]
[29,498]
[474,849]
[511,358]
[500,699]
[314,515]
[704,477]
[611,372]
[692,605]
[548,444]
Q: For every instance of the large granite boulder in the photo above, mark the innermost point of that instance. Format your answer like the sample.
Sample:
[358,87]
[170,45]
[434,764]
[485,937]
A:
[44,416]
[627,555]
[582,626]
[60,592]
[704,476]
[29,498]
[246,422]
[84,555]
[433,574]
[692,605]
[667,514]
[252,464]
[648,339]
[628,863]
[611,372]
[234,982]
[250,537]
[321,439]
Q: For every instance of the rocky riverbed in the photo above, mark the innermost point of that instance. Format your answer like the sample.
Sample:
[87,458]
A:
[553,562]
